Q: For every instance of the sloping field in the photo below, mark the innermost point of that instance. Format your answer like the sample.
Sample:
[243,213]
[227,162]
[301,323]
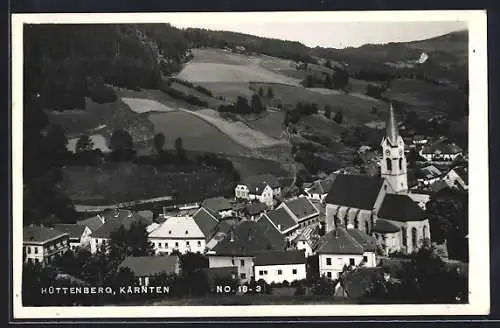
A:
[217,72]
[237,131]
[229,90]
[196,133]
[141,105]
[271,124]
[325,91]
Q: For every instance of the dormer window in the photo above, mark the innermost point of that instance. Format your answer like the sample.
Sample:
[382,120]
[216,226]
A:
[186,232]
[170,232]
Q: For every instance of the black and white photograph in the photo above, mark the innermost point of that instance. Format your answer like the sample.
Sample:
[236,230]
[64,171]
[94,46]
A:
[250,164]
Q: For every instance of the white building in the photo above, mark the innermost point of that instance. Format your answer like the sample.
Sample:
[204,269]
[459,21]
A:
[307,240]
[263,188]
[341,247]
[78,235]
[41,244]
[458,177]
[184,233]
[277,267]
[428,175]
[145,268]
[441,151]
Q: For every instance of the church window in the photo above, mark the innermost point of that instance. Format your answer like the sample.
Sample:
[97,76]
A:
[424,232]
[367,227]
[389,164]
[356,223]
[400,163]
[403,232]
[414,237]
[345,221]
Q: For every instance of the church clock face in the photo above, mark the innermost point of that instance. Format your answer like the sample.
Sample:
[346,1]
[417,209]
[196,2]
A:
[387,152]
[400,152]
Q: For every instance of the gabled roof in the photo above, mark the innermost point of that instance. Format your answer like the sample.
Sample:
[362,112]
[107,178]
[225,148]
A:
[309,234]
[357,191]
[280,258]
[462,172]
[429,172]
[73,230]
[142,266]
[320,187]
[400,208]
[339,241]
[280,219]
[217,204]
[384,226]
[257,183]
[206,220]
[255,208]
[368,242]
[301,207]
[178,227]
[116,220]
[93,223]
[249,238]
[39,234]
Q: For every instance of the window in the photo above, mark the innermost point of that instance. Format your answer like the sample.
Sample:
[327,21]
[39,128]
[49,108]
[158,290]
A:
[176,244]
[261,272]
[166,245]
[400,163]
[187,243]
[280,272]
[329,274]
[29,250]
[294,271]
[403,232]
[36,249]
[265,271]
[367,228]
[424,232]
[170,232]
[389,164]
[199,243]
[351,261]
[365,258]
[414,237]
[232,261]
[186,232]
[328,261]
[242,263]
[243,275]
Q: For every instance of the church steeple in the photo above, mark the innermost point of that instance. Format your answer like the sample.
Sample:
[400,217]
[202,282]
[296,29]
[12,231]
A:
[393,165]
[391,129]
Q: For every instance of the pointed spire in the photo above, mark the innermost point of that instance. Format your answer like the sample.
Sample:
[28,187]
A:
[391,132]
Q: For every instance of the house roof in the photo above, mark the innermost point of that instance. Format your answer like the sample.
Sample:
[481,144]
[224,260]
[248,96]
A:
[143,266]
[391,129]
[357,191]
[320,187]
[339,241]
[384,226]
[206,220]
[400,208]
[178,227]
[255,208]
[73,230]
[441,147]
[115,220]
[257,183]
[280,218]
[280,258]
[39,234]
[217,204]
[368,242]
[248,238]
[429,172]
[93,223]
[462,172]
[301,207]
[310,235]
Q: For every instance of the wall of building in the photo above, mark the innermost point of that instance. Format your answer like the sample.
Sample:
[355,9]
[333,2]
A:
[337,263]
[47,252]
[407,244]
[246,268]
[280,273]
[96,243]
[304,245]
[168,245]
[390,242]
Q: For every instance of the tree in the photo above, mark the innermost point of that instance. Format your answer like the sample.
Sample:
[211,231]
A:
[328,64]
[242,106]
[256,104]
[261,92]
[54,146]
[159,142]
[340,79]
[179,148]
[339,117]
[83,144]
[122,145]
[270,93]
[328,111]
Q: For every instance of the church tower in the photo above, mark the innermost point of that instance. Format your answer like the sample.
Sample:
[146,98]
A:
[393,165]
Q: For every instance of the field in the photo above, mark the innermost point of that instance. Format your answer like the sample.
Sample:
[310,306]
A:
[271,124]
[212,102]
[120,182]
[196,134]
[142,105]
[248,166]
[229,90]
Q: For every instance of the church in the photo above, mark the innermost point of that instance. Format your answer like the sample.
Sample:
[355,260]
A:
[381,205]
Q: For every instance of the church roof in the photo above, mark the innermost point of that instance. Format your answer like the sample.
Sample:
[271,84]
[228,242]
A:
[400,208]
[357,191]
[391,129]
[384,226]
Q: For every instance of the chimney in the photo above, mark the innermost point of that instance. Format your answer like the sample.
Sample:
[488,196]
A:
[279,227]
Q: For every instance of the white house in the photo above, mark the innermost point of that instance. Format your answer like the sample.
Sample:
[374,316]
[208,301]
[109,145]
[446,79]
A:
[458,177]
[318,190]
[263,188]
[342,247]
[78,235]
[42,244]
[307,240]
[187,232]
[145,268]
[428,175]
[276,267]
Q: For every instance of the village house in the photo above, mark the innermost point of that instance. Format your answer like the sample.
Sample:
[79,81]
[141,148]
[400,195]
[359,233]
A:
[241,244]
[41,244]
[441,151]
[93,222]
[189,231]
[277,267]
[458,177]
[428,175]
[254,210]
[281,220]
[145,268]
[263,188]
[345,248]
[307,240]
[219,205]
[78,235]
[113,221]
[302,210]
[318,190]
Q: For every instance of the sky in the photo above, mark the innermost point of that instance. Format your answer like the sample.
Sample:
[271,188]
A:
[337,34]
